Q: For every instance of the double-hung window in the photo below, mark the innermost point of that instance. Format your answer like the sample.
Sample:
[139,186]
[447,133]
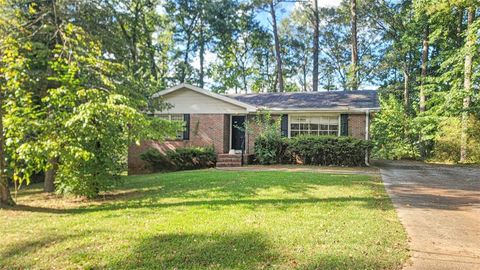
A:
[313,125]
[183,133]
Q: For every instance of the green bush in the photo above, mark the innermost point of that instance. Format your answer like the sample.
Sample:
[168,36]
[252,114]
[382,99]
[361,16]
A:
[193,158]
[271,150]
[270,147]
[394,134]
[328,150]
[157,161]
[447,141]
[312,150]
[188,158]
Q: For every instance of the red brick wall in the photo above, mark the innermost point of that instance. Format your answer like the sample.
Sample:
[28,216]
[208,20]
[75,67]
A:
[254,130]
[252,133]
[209,130]
[356,125]
[136,165]
[205,130]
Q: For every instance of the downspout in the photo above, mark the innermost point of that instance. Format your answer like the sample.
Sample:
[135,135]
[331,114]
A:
[367,135]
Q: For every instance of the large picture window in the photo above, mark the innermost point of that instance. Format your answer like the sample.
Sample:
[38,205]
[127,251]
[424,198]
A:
[176,117]
[313,125]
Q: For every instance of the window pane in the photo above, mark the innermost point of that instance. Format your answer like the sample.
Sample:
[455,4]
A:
[163,116]
[334,120]
[177,117]
[313,125]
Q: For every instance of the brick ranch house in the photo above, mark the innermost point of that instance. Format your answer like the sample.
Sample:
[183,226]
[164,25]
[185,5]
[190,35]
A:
[212,119]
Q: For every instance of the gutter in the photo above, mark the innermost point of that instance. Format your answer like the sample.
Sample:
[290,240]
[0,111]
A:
[319,110]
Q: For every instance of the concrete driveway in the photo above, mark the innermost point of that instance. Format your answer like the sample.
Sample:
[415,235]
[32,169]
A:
[440,209]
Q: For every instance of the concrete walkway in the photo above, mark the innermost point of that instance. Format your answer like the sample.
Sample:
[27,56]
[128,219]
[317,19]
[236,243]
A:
[440,209]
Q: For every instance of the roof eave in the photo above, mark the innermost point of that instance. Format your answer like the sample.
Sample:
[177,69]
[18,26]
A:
[249,108]
[334,109]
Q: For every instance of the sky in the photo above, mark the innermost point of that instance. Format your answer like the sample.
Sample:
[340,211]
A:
[283,10]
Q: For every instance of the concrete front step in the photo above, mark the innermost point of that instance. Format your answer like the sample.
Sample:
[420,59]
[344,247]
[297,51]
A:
[233,159]
[228,155]
[226,160]
[228,164]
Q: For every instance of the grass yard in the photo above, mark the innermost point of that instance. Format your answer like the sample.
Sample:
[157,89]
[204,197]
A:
[210,219]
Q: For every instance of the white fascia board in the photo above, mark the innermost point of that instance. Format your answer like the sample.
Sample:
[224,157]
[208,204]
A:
[248,107]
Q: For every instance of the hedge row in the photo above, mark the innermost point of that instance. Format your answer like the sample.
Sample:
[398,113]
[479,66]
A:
[188,158]
[312,150]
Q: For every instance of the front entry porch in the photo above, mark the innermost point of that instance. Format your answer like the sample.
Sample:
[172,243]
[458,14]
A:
[237,143]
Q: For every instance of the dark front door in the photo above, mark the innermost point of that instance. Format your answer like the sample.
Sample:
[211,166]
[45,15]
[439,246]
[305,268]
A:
[238,132]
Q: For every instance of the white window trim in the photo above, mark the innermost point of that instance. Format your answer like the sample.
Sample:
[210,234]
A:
[170,119]
[339,125]
[312,115]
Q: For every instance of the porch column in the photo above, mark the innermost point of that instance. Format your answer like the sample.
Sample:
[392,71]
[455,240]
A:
[367,135]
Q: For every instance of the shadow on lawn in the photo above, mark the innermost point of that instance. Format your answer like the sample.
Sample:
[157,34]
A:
[235,251]
[9,256]
[381,203]
[196,184]
[215,190]
[199,251]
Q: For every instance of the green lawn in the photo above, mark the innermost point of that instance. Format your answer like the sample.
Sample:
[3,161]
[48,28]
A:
[210,219]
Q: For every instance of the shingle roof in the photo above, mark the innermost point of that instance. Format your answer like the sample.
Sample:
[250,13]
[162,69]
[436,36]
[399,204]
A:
[361,99]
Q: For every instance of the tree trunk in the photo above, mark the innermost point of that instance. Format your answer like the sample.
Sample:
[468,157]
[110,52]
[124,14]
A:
[353,24]
[201,42]
[424,67]
[268,79]
[304,71]
[277,48]
[5,196]
[459,27]
[244,78]
[316,26]
[134,35]
[151,49]
[406,82]
[49,182]
[467,84]
[183,74]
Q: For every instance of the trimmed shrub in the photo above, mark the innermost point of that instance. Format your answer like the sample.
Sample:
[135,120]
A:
[312,150]
[271,150]
[157,161]
[188,158]
[193,158]
[328,150]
